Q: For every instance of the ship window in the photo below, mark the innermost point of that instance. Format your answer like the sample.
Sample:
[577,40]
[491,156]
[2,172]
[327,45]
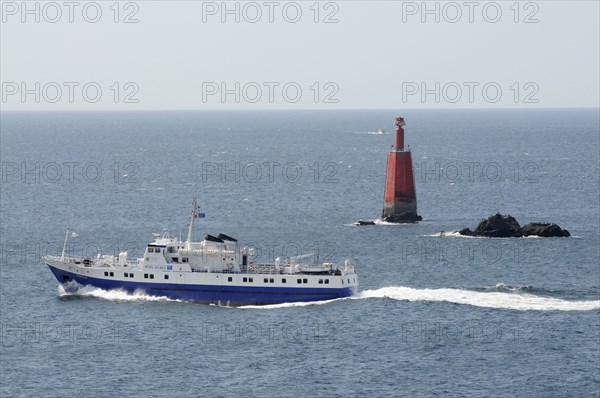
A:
[321,281]
[166,276]
[150,250]
[131,275]
[105,273]
[126,274]
[327,281]
[266,280]
[175,259]
[250,280]
[348,280]
[151,276]
[283,280]
[146,276]
[245,280]
[342,281]
[157,250]
[229,279]
[299,281]
[271,280]
[171,249]
[184,259]
[112,274]
[305,281]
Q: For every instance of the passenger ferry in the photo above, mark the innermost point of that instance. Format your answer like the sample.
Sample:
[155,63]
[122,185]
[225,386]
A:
[216,270]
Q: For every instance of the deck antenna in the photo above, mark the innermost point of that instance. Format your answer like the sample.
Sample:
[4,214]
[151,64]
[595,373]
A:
[64,249]
[193,216]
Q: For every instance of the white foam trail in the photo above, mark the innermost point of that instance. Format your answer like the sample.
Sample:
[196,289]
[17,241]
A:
[379,221]
[294,304]
[513,301]
[112,295]
[453,234]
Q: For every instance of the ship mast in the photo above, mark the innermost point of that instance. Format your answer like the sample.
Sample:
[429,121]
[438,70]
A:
[193,216]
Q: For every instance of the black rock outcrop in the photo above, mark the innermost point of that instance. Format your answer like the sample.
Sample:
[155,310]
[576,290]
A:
[500,226]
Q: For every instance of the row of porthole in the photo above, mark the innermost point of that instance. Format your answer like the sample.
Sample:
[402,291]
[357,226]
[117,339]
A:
[130,275]
[283,280]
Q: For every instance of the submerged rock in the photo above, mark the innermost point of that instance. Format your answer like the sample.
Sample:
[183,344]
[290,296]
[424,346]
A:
[361,222]
[500,226]
[404,218]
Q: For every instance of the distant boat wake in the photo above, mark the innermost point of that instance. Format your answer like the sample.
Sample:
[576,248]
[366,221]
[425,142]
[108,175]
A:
[511,299]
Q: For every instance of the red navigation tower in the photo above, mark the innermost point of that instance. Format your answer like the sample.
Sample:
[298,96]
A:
[400,200]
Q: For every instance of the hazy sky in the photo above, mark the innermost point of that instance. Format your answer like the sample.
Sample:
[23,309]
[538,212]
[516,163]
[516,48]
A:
[296,55]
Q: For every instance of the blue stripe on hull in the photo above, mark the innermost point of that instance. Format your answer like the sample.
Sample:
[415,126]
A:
[235,295]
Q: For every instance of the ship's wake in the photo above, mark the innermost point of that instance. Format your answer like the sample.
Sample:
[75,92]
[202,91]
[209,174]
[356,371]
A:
[487,299]
[499,297]
[111,295]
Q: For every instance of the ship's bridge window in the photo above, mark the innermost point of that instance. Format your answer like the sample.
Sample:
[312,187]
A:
[171,249]
[157,250]
[184,259]
[150,249]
